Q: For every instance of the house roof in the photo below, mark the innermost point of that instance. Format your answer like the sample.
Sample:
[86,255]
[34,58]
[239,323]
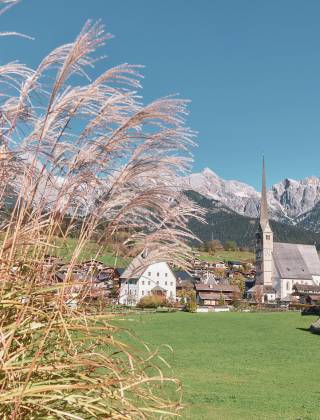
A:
[140,264]
[265,289]
[315,298]
[201,287]
[296,261]
[306,288]
[184,276]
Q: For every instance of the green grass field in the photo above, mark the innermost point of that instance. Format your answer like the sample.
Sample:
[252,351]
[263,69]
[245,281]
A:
[91,250]
[243,256]
[240,365]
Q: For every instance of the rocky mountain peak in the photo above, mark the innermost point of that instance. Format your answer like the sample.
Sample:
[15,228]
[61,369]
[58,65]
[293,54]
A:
[288,200]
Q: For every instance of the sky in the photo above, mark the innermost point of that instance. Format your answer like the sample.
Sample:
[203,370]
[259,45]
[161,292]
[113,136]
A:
[251,69]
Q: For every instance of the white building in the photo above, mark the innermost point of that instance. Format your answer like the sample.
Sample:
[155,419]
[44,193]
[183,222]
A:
[141,279]
[281,265]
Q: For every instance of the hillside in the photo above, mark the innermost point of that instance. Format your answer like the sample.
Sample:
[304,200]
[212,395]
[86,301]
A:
[225,224]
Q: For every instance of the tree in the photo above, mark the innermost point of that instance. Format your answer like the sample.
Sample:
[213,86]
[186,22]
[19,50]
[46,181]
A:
[213,246]
[219,272]
[230,246]
[258,294]
[240,281]
[191,305]
[82,155]
[222,300]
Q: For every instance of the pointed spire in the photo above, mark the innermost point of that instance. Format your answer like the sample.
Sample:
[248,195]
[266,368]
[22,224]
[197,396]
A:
[264,216]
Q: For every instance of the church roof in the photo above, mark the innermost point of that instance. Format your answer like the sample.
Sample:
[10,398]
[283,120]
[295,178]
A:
[296,261]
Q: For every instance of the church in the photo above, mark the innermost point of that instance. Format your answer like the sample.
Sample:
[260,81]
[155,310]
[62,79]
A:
[281,265]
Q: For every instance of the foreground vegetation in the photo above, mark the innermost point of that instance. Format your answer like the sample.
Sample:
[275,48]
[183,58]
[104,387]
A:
[239,365]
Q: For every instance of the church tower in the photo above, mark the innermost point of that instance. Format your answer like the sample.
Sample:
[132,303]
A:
[264,239]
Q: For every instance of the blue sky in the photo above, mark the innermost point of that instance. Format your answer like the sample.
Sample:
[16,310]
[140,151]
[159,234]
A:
[250,68]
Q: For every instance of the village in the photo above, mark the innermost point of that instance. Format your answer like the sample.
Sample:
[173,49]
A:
[220,286]
[284,276]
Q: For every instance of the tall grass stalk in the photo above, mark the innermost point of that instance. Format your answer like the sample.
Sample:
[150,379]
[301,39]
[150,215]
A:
[83,156]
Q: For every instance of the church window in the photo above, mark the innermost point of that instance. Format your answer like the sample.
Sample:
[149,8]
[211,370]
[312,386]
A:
[268,237]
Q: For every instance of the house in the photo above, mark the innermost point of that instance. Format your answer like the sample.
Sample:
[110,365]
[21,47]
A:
[184,281]
[220,265]
[306,293]
[143,278]
[235,264]
[280,265]
[90,278]
[214,294]
[262,293]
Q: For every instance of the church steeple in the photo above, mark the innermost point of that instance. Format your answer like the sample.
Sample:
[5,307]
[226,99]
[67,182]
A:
[264,244]
[264,215]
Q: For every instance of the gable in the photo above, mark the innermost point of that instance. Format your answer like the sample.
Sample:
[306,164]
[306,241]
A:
[159,267]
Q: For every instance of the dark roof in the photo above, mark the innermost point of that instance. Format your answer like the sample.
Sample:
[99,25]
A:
[315,298]
[120,271]
[306,288]
[201,287]
[184,276]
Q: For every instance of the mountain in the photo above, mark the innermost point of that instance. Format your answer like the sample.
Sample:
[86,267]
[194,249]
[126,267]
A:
[291,202]
[226,224]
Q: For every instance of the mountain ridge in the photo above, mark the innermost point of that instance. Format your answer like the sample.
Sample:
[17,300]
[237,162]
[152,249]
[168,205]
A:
[293,202]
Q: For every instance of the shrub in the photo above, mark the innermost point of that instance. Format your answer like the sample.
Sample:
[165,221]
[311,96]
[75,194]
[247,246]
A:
[191,306]
[153,301]
[221,300]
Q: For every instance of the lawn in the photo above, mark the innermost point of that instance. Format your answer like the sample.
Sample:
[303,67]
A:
[240,365]
[243,256]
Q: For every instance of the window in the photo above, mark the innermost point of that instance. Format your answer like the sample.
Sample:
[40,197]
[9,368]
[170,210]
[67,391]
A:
[268,237]
[149,282]
[166,283]
[166,274]
[171,284]
[171,294]
[149,274]
[288,285]
[157,283]
[158,274]
[142,282]
[142,292]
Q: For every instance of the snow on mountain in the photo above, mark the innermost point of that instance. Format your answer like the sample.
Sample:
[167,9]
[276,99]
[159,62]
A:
[289,200]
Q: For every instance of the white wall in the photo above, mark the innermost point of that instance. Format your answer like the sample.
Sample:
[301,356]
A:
[158,274]
[286,286]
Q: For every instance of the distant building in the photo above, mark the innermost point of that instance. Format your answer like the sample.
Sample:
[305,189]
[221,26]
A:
[235,264]
[307,293]
[140,280]
[184,281]
[281,265]
[213,294]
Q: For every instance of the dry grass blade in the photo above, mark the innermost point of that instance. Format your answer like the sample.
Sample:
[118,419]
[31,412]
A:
[92,161]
